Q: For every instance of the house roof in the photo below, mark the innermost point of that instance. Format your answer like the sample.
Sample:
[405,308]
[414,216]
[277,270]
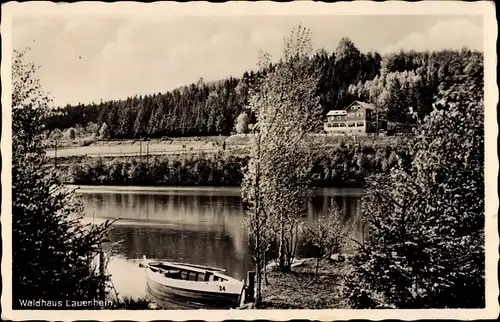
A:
[336,112]
[367,106]
[364,105]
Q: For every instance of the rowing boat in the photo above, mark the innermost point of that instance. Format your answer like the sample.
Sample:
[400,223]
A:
[187,286]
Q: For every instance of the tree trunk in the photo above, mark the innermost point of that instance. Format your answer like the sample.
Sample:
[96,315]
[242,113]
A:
[102,275]
[258,271]
[317,266]
[282,253]
[290,255]
[265,270]
[258,284]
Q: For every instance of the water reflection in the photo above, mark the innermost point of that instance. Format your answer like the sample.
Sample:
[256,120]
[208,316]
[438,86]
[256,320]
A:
[202,226]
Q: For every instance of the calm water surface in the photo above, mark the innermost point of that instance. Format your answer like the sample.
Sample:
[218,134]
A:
[196,225]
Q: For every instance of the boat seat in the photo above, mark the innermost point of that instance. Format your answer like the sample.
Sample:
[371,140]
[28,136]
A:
[173,273]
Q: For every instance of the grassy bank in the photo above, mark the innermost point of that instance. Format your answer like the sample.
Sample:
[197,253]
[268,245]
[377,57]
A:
[235,144]
[337,167]
[167,146]
[302,289]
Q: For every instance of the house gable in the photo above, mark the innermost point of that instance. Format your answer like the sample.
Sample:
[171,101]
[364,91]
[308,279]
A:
[356,105]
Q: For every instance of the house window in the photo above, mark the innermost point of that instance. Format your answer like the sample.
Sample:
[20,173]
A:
[360,124]
[342,124]
[338,117]
[351,124]
[335,124]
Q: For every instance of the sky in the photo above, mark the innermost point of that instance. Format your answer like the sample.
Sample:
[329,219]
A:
[87,59]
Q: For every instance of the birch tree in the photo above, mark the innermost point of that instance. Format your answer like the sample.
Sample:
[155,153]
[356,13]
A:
[277,182]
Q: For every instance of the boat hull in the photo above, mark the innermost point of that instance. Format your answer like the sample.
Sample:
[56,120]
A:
[174,298]
[177,294]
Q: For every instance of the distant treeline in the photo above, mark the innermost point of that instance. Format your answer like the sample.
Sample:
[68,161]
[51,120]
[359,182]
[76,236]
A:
[337,167]
[402,85]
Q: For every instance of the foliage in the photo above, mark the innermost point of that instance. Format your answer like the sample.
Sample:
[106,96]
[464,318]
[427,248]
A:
[408,81]
[426,245]
[348,165]
[78,135]
[52,250]
[56,134]
[203,170]
[241,126]
[327,235]
[276,183]
[130,303]
[92,128]
[71,133]
[287,108]
[342,166]
[197,109]
[104,132]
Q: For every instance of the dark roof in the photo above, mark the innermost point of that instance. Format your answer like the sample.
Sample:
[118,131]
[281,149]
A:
[367,106]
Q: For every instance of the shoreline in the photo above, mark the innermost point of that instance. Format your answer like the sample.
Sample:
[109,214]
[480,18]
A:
[190,189]
[151,189]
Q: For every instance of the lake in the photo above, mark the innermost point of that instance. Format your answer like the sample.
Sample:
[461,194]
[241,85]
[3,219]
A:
[196,225]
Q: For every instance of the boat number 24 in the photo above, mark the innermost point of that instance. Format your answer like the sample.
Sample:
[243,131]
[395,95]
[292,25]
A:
[222,288]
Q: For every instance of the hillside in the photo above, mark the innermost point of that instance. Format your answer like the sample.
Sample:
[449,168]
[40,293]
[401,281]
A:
[401,85]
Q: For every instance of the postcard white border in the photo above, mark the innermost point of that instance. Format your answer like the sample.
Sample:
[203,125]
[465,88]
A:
[130,9]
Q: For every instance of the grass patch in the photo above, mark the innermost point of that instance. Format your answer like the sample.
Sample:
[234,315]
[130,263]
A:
[302,289]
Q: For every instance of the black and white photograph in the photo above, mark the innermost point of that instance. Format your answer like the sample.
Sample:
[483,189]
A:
[249,160]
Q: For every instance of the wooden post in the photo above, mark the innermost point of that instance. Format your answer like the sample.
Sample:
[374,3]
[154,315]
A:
[250,291]
[102,284]
[55,156]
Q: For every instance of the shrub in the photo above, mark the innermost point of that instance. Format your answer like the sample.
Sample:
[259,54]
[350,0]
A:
[426,244]
[327,235]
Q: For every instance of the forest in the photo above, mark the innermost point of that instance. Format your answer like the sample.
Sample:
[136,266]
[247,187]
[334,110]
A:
[401,85]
